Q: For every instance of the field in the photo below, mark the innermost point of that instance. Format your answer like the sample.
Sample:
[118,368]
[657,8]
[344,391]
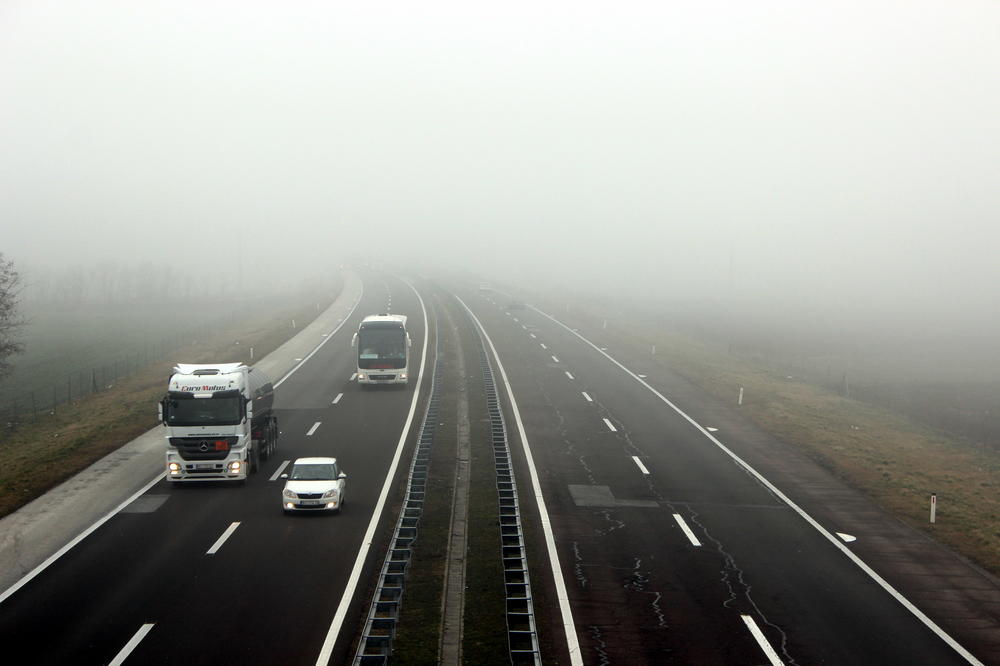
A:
[47,445]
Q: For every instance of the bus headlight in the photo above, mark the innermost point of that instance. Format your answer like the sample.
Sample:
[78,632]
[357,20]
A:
[402,375]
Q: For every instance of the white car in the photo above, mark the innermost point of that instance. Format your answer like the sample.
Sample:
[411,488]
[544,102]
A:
[314,484]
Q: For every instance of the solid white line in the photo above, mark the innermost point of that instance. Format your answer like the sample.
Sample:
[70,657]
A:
[772,656]
[569,625]
[337,399]
[687,530]
[139,493]
[587,396]
[929,623]
[353,377]
[555,360]
[325,340]
[222,539]
[352,582]
[131,645]
[610,425]
[642,468]
[569,374]
[280,469]
[83,535]
[313,429]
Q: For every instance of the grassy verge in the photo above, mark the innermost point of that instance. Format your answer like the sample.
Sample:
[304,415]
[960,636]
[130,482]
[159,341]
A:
[485,639]
[419,627]
[48,449]
[895,460]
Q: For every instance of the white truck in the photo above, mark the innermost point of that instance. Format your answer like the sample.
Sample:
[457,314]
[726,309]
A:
[219,422]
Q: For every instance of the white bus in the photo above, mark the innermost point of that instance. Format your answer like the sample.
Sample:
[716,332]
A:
[383,350]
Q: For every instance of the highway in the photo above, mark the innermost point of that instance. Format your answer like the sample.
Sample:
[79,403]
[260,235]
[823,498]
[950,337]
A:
[673,551]
[677,531]
[269,592]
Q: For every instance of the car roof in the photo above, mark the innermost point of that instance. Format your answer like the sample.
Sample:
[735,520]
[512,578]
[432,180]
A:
[314,461]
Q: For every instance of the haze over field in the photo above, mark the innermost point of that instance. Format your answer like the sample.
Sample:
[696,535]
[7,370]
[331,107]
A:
[824,162]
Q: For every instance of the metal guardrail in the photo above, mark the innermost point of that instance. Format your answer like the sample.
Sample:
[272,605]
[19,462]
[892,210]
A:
[375,645]
[522,637]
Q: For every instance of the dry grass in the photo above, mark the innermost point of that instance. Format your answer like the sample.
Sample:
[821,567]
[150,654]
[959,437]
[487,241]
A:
[44,451]
[890,457]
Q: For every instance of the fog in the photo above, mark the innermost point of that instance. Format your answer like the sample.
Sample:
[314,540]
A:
[828,163]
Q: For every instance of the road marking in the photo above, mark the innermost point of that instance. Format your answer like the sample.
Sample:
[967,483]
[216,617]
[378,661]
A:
[325,340]
[353,377]
[543,345]
[569,374]
[711,429]
[524,327]
[565,611]
[687,530]
[337,399]
[585,395]
[222,539]
[532,335]
[610,425]
[517,320]
[313,429]
[555,360]
[507,313]
[83,535]
[772,656]
[871,573]
[326,651]
[131,645]
[642,468]
[298,359]
[642,376]
[847,537]
[280,469]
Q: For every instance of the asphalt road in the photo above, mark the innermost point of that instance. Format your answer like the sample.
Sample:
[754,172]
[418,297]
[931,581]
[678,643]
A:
[269,592]
[620,470]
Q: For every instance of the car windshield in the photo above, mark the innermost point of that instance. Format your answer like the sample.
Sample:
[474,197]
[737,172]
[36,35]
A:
[314,472]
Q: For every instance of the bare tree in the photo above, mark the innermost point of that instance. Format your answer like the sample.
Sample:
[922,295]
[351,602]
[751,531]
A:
[10,321]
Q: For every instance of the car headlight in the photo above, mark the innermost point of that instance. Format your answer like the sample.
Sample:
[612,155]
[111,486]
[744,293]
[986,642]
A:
[288,494]
[331,493]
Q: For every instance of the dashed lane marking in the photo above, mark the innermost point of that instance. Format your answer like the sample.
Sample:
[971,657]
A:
[313,429]
[687,530]
[222,539]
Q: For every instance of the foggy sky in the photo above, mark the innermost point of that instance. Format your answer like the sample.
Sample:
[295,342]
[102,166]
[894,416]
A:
[840,156]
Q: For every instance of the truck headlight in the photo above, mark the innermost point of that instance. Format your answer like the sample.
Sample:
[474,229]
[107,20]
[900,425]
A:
[235,467]
[174,468]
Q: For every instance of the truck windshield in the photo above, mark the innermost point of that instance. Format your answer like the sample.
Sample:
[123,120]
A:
[223,408]
[382,348]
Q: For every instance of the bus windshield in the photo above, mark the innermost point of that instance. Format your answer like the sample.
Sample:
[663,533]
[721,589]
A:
[381,348]
[223,408]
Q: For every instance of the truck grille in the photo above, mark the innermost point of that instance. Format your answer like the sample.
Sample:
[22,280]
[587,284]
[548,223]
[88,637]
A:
[203,448]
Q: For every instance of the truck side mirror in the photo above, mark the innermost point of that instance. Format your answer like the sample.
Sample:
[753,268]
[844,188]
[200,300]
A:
[159,412]
[250,410]
[354,340]
[409,342]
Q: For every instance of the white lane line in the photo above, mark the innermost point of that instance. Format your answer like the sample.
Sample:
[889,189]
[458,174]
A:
[848,538]
[555,360]
[772,656]
[313,429]
[543,345]
[569,374]
[642,376]
[83,535]
[566,612]
[337,399]
[325,340]
[610,425]
[532,335]
[280,469]
[587,396]
[524,327]
[142,491]
[517,320]
[711,429]
[359,562]
[687,530]
[131,645]
[222,539]
[353,377]
[889,589]
[642,468]
[507,313]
